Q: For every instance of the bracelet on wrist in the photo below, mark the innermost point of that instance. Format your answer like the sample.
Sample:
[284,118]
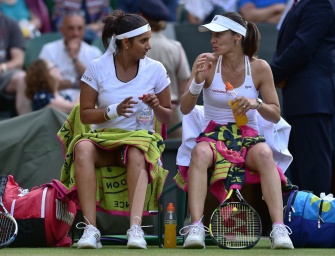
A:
[106,116]
[193,95]
[260,103]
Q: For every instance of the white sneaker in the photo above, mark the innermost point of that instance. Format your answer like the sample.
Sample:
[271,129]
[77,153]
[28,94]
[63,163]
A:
[136,238]
[280,239]
[90,239]
[194,236]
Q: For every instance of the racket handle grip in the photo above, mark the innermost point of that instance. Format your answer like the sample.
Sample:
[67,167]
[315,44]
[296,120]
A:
[3,182]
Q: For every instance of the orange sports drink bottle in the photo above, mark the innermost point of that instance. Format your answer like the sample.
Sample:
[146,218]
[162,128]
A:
[231,95]
[170,222]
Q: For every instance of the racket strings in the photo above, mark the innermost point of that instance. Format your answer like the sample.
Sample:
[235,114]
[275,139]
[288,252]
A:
[236,226]
[7,229]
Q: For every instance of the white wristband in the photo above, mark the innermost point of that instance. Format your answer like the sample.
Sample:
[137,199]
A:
[195,89]
[111,111]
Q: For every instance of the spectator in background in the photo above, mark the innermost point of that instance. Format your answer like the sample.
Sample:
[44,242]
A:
[93,11]
[203,11]
[18,10]
[12,45]
[128,6]
[39,9]
[42,81]
[71,54]
[262,10]
[304,67]
[133,6]
[170,53]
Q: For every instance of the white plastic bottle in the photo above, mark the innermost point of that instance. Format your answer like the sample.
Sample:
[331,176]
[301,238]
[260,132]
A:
[144,117]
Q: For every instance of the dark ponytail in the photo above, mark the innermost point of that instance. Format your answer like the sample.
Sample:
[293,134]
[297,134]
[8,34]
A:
[251,41]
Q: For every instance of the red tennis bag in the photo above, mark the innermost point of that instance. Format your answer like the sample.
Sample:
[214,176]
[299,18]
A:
[43,219]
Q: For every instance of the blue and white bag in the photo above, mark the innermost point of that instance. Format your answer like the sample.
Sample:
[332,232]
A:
[312,220]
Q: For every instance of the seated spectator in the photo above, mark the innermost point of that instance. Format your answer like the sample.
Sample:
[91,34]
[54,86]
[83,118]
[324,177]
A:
[170,53]
[133,6]
[262,11]
[200,11]
[42,81]
[18,10]
[12,84]
[93,11]
[39,9]
[71,54]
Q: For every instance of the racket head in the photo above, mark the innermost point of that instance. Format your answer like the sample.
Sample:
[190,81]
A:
[8,225]
[8,229]
[235,225]
[3,183]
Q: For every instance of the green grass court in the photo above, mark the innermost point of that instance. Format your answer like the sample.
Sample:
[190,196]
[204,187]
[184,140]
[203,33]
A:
[262,248]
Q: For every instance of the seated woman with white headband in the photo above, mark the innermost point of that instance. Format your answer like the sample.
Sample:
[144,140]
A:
[223,147]
[112,88]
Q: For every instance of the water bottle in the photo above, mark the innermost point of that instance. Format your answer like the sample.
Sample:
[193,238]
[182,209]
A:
[170,223]
[231,95]
[144,117]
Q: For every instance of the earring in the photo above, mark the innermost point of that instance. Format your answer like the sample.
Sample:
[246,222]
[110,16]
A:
[236,42]
[126,47]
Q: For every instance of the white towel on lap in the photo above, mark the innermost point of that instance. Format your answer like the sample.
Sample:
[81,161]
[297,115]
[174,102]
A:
[192,124]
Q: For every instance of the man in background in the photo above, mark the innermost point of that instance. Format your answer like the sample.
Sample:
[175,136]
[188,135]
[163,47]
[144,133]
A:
[268,11]
[133,6]
[71,54]
[170,53]
[203,11]
[92,10]
[12,46]
[304,67]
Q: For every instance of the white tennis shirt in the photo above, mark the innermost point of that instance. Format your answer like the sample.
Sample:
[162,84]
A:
[101,76]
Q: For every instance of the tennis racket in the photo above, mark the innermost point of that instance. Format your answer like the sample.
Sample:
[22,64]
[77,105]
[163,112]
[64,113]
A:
[8,225]
[235,225]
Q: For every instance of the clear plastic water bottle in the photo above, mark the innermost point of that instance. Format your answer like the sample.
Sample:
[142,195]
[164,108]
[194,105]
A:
[144,117]
[170,223]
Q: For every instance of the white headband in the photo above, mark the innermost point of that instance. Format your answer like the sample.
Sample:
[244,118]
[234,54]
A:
[134,32]
[221,23]
[129,34]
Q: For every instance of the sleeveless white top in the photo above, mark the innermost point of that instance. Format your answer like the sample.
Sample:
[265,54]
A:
[216,106]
